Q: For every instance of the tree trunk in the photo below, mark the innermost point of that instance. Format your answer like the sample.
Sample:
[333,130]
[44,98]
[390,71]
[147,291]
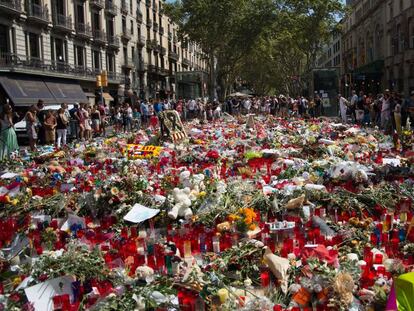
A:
[212,92]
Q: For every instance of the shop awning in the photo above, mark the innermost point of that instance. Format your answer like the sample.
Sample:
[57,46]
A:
[90,95]
[66,92]
[107,96]
[25,91]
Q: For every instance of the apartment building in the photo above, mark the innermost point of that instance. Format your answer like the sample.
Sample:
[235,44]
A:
[378,46]
[331,53]
[53,49]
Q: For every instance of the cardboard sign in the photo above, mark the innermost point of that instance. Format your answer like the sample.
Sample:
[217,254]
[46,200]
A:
[41,295]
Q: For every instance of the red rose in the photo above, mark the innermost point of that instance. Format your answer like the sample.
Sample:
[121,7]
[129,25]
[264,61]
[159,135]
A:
[15,297]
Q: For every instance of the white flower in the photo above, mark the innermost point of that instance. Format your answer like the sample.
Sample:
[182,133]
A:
[247,282]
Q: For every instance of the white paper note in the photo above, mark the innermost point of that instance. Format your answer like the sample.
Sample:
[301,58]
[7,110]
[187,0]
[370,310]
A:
[140,213]
[41,295]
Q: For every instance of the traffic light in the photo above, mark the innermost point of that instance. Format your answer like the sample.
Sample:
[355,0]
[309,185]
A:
[98,81]
[104,78]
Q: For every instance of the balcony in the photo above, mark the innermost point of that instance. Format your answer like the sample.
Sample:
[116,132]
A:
[173,56]
[154,6]
[84,30]
[155,26]
[110,8]
[150,44]
[155,46]
[141,41]
[128,63]
[163,51]
[163,72]
[148,3]
[149,23]
[126,35]
[99,36]
[62,23]
[113,42]
[112,76]
[152,69]
[161,30]
[139,17]
[99,4]
[11,7]
[124,7]
[170,35]
[186,62]
[38,14]
[39,66]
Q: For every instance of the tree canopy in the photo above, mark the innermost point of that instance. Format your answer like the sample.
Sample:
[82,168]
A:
[263,42]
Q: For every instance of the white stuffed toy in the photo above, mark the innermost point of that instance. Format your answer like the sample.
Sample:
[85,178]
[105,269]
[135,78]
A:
[192,184]
[182,204]
[185,179]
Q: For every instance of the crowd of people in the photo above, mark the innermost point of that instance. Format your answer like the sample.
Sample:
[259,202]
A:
[389,111]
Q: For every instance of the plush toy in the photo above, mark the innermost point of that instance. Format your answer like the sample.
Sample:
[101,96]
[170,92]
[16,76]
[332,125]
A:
[295,203]
[144,273]
[349,170]
[182,204]
[185,179]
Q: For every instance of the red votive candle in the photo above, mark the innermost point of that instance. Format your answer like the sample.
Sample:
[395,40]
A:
[265,279]
[378,259]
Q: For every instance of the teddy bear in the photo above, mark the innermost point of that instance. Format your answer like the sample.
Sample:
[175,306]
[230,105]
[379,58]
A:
[182,204]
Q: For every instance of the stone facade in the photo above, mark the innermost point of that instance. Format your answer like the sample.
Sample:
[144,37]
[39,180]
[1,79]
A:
[378,46]
[76,39]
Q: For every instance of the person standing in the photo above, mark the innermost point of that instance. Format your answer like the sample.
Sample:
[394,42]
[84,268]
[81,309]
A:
[61,128]
[96,120]
[8,138]
[343,107]
[88,128]
[129,116]
[102,112]
[41,115]
[31,127]
[144,112]
[318,106]
[397,117]
[353,105]
[80,118]
[74,123]
[50,128]
[385,112]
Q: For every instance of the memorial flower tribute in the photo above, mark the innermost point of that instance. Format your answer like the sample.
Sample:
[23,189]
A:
[280,215]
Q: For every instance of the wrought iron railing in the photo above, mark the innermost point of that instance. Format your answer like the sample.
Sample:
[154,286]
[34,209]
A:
[12,4]
[84,29]
[62,21]
[38,11]
[113,41]
[24,63]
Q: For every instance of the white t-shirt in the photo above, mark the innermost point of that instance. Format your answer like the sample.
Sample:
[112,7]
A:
[129,112]
[192,105]
[342,103]
[354,100]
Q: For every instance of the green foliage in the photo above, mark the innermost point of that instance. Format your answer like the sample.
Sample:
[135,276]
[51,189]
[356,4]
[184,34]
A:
[264,42]
[77,261]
